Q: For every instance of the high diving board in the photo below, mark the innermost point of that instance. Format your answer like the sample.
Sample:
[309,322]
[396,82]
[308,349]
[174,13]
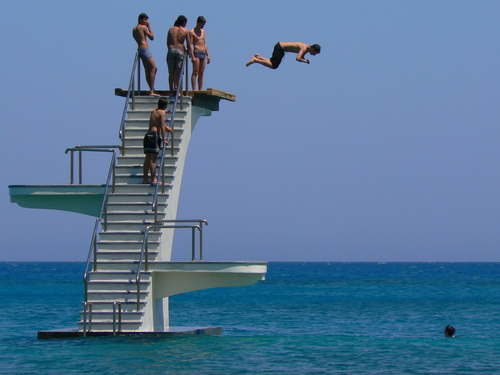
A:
[208,99]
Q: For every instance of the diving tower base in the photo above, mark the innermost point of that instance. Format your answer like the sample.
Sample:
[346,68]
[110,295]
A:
[169,332]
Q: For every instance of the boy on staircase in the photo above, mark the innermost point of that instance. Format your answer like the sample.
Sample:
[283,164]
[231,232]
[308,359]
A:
[153,142]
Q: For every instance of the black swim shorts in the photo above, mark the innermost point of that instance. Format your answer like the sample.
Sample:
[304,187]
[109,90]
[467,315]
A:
[152,142]
[278,55]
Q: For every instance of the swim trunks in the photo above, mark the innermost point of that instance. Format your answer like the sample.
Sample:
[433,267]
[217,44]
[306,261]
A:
[200,54]
[152,142]
[175,59]
[145,53]
[278,55]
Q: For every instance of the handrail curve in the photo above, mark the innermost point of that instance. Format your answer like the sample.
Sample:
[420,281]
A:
[144,249]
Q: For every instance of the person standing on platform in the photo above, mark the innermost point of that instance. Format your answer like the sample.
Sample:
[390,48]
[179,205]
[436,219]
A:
[141,33]
[200,57]
[153,142]
[177,43]
[301,49]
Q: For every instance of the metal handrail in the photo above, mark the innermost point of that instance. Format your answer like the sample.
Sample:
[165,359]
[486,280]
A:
[116,306]
[130,93]
[103,212]
[162,160]
[85,304]
[144,248]
[79,149]
[200,223]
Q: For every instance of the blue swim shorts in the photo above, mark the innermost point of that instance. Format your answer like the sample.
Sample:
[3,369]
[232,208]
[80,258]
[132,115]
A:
[200,54]
[145,53]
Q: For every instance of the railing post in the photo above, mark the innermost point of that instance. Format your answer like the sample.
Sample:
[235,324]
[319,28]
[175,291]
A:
[146,253]
[95,251]
[193,255]
[85,319]
[138,78]
[71,168]
[119,316]
[105,213]
[132,94]
[114,318]
[80,174]
[187,75]
[114,172]
[90,317]
[201,241]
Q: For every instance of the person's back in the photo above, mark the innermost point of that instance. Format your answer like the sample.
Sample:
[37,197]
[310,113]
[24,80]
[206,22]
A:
[156,120]
[176,36]
[139,35]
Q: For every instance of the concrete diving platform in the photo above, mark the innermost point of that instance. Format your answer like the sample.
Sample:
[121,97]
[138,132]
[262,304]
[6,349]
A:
[207,99]
[81,199]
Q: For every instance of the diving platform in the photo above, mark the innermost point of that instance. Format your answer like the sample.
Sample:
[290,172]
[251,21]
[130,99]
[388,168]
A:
[129,275]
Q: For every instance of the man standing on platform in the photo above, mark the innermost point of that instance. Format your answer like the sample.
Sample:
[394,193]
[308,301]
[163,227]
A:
[141,33]
[200,57]
[177,42]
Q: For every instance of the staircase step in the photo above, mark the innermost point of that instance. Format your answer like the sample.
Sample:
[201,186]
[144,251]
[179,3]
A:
[118,265]
[137,143]
[107,316]
[134,207]
[110,286]
[123,198]
[118,227]
[138,132]
[133,170]
[131,217]
[137,179]
[128,236]
[138,151]
[116,276]
[122,255]
[118,296]
[108,326]
[138,160]
[139,189]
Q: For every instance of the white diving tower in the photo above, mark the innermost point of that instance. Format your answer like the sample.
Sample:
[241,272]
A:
[129,275]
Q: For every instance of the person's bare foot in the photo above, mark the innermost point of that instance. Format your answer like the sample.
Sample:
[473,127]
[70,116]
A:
[251,61]
[153,93]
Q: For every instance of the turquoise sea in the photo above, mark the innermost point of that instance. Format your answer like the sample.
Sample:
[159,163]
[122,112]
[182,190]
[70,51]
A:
[306,318]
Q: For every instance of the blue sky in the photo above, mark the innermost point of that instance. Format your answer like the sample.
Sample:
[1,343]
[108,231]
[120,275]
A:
[384,148]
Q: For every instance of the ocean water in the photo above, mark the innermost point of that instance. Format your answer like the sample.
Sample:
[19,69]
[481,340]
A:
[306,318]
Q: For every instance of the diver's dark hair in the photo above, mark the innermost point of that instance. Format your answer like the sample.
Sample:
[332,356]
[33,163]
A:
[162,103]
[316,48]
[180,20]
[201,19]
[141,17]
[449,331]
